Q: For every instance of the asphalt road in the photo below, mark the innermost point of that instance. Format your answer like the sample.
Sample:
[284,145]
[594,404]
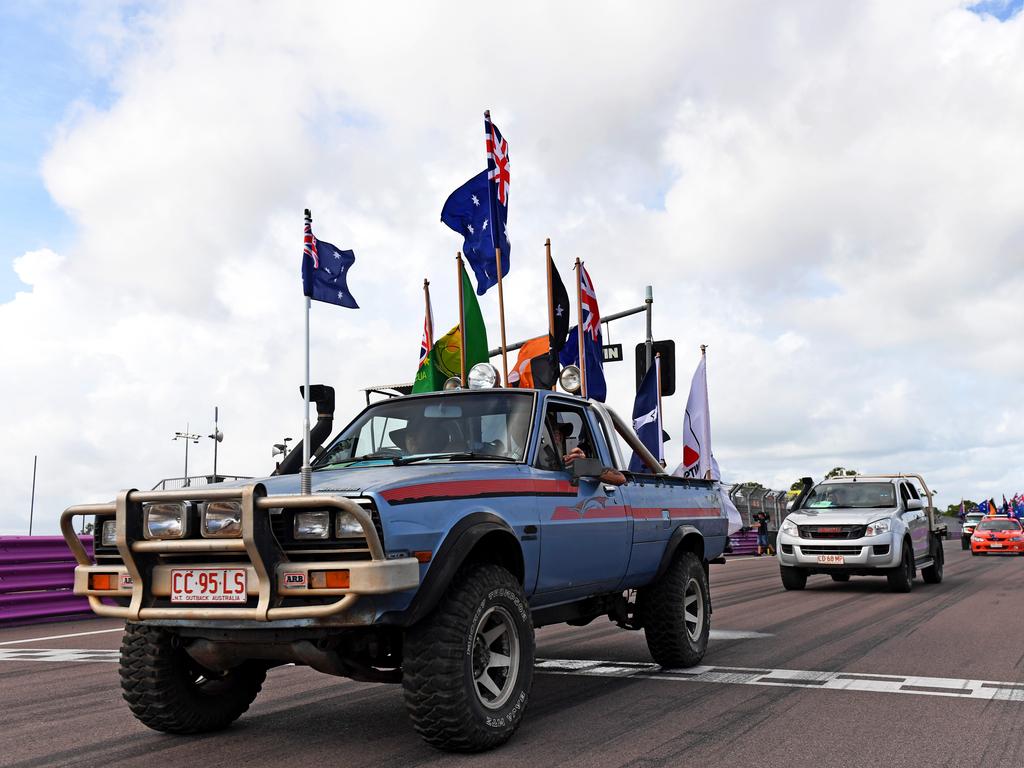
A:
[831,676]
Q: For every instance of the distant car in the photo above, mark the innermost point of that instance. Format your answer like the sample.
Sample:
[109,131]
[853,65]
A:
[997,534]
[972,520]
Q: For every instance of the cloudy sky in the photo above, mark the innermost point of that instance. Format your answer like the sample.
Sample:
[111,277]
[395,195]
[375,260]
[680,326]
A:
[829,195]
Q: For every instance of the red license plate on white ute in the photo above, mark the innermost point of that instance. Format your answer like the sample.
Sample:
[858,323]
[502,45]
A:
[830,560]
[208,585]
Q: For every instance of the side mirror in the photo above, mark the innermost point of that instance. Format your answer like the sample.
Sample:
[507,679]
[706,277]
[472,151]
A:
[587,468]
[914,504]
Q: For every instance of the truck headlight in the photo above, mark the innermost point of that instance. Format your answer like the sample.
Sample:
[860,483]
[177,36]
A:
[346,525]
[789,528]
[108,535]
[221,519]
[483,376]
[165,519]
[571,379]
[312,525]
[877,527]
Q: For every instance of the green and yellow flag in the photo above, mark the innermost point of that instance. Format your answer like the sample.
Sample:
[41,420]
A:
[444,358]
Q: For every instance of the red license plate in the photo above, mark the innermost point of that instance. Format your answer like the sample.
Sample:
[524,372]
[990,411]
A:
[208,585]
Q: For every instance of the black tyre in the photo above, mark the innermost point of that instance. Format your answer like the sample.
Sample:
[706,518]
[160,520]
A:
[840,577]
[901,578]
[168,691]
[975,553]
[933,573]
[965,542]
[675,612]
[468,667]
[793,578]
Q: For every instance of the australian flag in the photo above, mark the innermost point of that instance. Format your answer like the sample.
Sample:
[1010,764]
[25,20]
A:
[325,271]
[593,346]
[478,210]
[647,420]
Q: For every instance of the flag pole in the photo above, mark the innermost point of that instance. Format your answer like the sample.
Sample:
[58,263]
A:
[429,314]
[551,306]
[661,429]
[501,316]
[306,472]
[579,327]
[462,324]
[703,355]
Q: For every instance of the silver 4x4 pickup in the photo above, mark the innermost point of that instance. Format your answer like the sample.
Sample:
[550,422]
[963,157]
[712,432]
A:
[864,525]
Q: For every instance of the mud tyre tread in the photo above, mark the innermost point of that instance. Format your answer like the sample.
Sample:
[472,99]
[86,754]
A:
[660,608]
[437,665]
[158,680]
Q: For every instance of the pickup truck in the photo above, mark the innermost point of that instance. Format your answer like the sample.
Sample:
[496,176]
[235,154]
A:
[864,525]
[441,529]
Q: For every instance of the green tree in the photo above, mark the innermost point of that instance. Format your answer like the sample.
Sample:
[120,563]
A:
[840,472]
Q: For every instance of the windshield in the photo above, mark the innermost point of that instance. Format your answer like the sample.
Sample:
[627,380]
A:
[485,426]
[973,518]
[998,525]
[826,496]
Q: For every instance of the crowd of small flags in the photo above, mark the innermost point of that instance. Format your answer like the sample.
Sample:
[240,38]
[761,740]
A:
[478,211]
[1013,507]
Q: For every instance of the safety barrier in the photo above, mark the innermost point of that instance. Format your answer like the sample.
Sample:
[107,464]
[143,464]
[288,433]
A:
[36,576]
[743,542]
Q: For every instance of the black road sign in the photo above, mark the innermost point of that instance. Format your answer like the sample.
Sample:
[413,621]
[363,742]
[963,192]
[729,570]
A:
[667,349]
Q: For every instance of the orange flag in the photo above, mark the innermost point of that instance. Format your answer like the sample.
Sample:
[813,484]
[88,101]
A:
[529,350]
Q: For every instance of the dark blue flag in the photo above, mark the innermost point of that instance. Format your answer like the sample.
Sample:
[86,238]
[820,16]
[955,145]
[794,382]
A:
[467,212]
[647,420]
[325,271]
[597,389]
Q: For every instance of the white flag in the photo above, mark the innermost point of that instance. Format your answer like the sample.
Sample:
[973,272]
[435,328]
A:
[698,460]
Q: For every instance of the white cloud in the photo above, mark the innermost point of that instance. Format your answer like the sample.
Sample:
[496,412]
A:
[827,196]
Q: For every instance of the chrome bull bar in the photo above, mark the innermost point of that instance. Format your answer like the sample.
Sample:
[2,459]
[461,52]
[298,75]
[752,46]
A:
[266,560]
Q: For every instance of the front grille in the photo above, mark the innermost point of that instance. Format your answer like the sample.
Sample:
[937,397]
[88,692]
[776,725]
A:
[831,550]
[831,531]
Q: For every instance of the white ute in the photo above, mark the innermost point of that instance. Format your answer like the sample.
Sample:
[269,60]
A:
[863,525]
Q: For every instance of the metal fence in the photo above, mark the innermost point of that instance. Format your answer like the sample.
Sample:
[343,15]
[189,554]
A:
[195,481]
[36,576]
[750,501]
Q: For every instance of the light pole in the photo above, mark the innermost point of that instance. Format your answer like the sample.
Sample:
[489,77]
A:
[280,449]
[187,437]
[217,437]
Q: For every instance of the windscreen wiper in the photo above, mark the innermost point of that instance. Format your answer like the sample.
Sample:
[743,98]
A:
[366,457]
[457,456]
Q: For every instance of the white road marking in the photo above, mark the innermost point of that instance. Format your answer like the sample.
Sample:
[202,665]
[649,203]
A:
[794,678]
[60,637]
[57,654]
[736,634]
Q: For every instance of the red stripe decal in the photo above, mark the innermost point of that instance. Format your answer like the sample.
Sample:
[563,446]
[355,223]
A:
[655,513]
[455,489]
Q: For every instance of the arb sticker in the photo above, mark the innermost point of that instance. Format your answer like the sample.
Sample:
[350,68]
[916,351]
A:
[294,580]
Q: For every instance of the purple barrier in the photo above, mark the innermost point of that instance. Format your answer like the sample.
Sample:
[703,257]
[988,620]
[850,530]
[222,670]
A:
[36,576]
[743,543]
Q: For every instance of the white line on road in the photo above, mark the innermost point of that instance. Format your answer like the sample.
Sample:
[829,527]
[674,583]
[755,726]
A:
[60,637]
[736,634]
[793,678]
[58,654]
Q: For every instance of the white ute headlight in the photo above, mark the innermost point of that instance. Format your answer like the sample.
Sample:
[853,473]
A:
[221,519]
[789,528]
[346,525]
[878,527]
[312,525]
[165,519]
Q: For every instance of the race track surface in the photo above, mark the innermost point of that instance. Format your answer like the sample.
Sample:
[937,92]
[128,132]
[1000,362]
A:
[837,675]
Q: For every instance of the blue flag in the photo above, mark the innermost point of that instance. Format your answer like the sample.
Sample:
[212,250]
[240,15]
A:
[647,420]
[597,389]
[325,271]
[466,211]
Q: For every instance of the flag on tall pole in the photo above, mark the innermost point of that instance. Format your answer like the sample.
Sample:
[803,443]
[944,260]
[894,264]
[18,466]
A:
[647,418]
[498,182]
[324,278]
[586,349]
[698,460]
[428,325]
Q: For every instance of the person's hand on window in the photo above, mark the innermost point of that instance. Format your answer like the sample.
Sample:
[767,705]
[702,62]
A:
[571,456]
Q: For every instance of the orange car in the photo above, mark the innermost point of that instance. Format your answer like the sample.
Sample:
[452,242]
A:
[998,534]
